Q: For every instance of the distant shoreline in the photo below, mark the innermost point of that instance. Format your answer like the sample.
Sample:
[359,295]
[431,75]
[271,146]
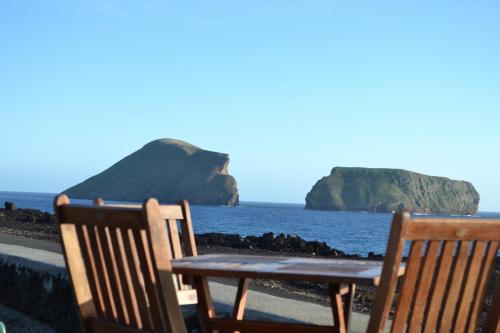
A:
[247,202]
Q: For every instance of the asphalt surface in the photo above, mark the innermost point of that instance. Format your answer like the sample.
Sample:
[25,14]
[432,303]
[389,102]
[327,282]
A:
[259,305]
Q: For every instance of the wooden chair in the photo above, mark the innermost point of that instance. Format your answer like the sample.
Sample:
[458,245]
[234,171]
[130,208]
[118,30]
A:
[447,272]
[118,259]
[171,215]
[187,292]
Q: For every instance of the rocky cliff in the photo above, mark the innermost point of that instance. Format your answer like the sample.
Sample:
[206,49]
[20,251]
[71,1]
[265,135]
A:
[166,169]
[387,190]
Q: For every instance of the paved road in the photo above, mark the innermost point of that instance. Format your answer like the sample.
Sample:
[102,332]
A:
[260,305]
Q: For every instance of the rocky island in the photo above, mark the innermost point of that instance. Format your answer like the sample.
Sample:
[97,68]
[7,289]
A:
[168,170]
[387,190]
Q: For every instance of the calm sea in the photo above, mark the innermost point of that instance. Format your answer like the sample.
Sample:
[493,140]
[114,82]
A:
[351,232]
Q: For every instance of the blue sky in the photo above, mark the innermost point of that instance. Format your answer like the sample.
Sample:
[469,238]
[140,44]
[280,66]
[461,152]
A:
[289,89]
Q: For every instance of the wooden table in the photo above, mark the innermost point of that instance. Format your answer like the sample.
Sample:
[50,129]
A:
[341,275]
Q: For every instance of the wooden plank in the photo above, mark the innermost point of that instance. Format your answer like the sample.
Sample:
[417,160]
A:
[93,277]
[282,268]
[187,229]
[450,302]
[97,215]
[137,281]
[337,308]
[114,276]
[102,273]
[159,248]
[175,246]
[453,229]
[439,288]
[241,299]
[470,283]
[149,280]
[423,286]
[349,304]
[166,211]
[477,307]
[77,272]
[124,271]
[205,305]
[174,237]
[252,326]
[392,260]
[408,286]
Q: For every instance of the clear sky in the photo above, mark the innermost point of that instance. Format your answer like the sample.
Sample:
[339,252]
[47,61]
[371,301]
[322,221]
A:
[289,89]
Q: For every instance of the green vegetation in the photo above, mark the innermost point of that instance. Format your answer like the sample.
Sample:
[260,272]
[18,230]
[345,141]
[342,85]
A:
[387,190]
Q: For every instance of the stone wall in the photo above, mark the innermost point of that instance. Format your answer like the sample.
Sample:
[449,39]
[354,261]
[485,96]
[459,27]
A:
[41,291]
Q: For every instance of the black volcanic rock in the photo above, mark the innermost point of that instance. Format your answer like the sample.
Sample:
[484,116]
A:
[387,190]
[168,170]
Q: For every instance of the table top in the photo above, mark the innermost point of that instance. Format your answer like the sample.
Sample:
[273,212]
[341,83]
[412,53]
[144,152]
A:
[282,268]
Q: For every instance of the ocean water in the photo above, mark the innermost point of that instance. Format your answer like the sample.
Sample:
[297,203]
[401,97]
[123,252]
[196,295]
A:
[351,232]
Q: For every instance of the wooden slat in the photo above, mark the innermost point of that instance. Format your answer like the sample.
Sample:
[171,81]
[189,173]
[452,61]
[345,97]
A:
[175,246]
[493,318]
[205,305]
[97,215]
[251,326]
[240,299]
[452,229]
[456,278]
[348,303]
[149,280]
[116,283]
[408,286]
[93,277]
[77,272]
[389,277]
[337,308]
[174,237]
[102,274]
[470,284]
[124,271]
[159,246]
[439,287]
[137,280]
[166,211]
[187,230]
[423,286]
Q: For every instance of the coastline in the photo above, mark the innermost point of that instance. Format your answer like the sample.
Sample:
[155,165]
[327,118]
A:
[35,224]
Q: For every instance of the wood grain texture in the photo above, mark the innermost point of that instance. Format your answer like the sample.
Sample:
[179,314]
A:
[408,287]
[179,245]
[282,268]
[444,287]
[119,264]
[389,279]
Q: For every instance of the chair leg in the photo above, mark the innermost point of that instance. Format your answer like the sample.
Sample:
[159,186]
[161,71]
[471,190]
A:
[348,305]
[206,309]
[241,299]
[337,308]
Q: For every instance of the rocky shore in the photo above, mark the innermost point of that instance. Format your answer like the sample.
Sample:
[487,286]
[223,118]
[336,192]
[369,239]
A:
[41,225]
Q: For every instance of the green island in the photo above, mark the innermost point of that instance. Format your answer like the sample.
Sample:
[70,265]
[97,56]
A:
[387,190]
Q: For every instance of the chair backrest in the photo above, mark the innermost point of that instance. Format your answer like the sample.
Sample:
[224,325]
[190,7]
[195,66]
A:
[449,265]
[180,245]
[119,265]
